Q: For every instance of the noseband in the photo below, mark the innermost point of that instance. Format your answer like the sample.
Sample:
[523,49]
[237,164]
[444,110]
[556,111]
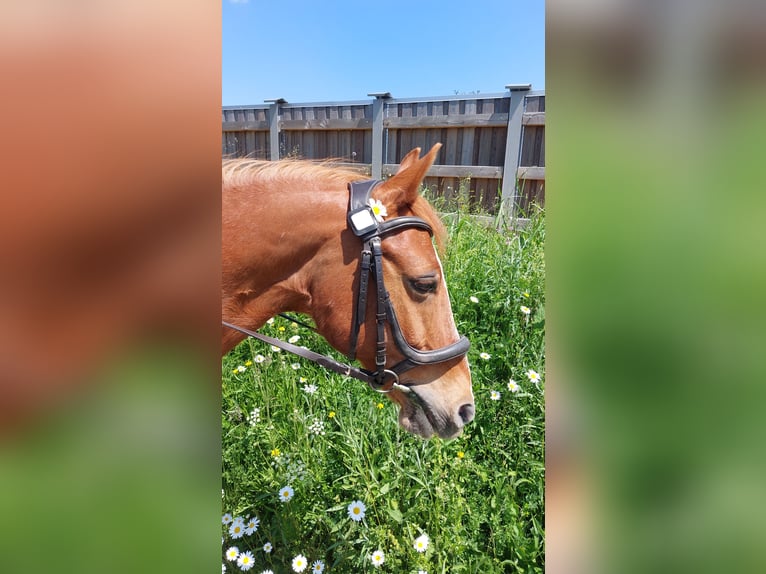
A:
[363,223]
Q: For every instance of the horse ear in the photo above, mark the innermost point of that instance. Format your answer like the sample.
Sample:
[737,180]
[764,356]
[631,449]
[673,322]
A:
[402,189]
[409,159]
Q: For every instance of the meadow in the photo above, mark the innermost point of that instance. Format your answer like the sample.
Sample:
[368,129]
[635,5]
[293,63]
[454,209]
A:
[318,477]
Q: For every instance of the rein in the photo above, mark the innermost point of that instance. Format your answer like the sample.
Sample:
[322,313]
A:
[363,223]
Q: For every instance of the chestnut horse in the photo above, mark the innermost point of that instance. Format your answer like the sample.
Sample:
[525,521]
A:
[288,246]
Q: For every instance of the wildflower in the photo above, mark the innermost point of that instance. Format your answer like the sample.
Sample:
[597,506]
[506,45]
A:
[237,529]
[252,525]
[525,294]
[267,572]
[275,452]
[281,329]
[275,349]
[295,366]
[460,454]
[245,560]
[473,299]
[331,414]
[378,209]
[302,379]
[494,395]
[299,563]
[270,321]
[485,356]
[356,510]
[533,376]
[267,548]
[377,558]
[294,338]
[421,543]
[248,363]
[241,369]
[310,389]
[226,518]
[422,572]
[223,568]
[317,427]
[259,359]
[254,417]
[526,310]
[232,553]
[379,405]
[513,386]
[317,567]
[286,493]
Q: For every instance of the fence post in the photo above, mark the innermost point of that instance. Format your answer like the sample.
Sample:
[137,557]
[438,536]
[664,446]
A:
[274,127]
[377,132]
[513,145]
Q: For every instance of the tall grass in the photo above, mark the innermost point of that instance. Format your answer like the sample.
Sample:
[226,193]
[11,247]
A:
[479,498]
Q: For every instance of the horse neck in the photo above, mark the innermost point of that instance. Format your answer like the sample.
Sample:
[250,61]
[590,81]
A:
[267,264]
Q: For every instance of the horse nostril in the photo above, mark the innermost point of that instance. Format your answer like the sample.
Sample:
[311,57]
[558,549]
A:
[466,412]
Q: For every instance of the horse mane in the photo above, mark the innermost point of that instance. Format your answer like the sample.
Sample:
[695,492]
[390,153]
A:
[240,172]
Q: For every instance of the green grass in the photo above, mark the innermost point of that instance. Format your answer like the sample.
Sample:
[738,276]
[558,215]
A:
[479,497]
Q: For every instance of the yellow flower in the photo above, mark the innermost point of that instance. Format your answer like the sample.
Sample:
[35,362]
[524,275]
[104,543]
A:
[281,328]
[275,452]
[379,405]
[460,454]
[248,363]
[331,414]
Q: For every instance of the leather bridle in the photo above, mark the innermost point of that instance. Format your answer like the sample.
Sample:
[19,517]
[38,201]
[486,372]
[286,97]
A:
[364,224]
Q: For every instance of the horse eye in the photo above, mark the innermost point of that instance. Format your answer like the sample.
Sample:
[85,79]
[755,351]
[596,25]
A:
[424,285]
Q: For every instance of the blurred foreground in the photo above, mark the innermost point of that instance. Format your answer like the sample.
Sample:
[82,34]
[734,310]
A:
[109,296]
[656,278]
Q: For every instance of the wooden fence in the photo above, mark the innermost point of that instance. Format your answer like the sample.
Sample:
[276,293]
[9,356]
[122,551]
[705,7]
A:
[485,138]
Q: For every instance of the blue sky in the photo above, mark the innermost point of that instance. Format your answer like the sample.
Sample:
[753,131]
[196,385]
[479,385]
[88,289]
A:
[313,51]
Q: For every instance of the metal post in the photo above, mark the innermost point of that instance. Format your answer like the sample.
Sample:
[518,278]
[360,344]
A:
[513,146]
[274,127]
[377,132]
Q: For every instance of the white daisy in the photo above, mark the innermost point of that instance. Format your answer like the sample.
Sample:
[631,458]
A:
[286,493]
[276,349]
[226,518]
[526,310]
[378,209]
[232,553]
[494,395]
[356,510]
[309,389]
[241,369]
[421,543]
[294,339]
[237,529]
[252,525]
[267,547]
[533,376]
[223,568]
[485,356]
[317,566]
[473,299]
[513,386]
[270,321]
[300,563]
[245,560]
[267,572]
[259,358]
[378,558]
[296,366]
